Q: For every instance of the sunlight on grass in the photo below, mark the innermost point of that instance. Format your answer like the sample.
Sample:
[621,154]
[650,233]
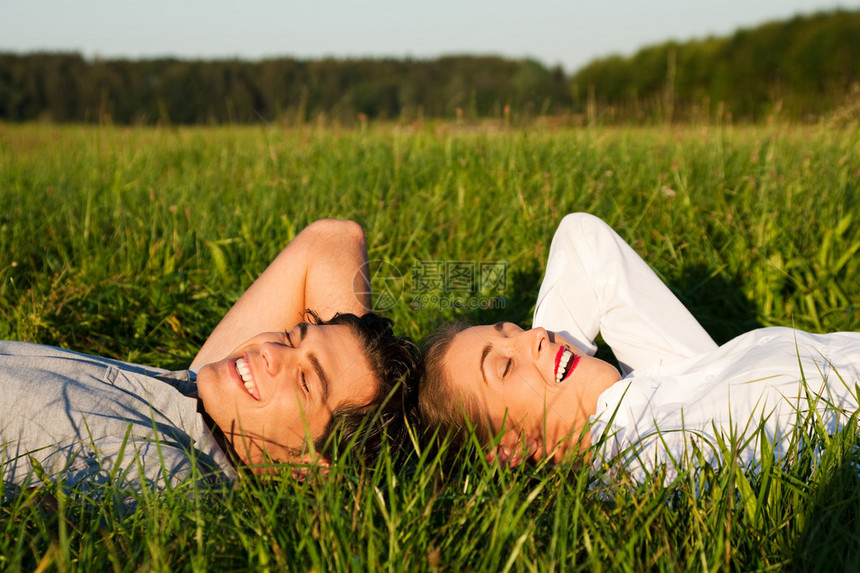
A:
[133,242]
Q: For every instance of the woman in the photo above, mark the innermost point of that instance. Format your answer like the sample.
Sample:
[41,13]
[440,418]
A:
[255,399]
[544,394]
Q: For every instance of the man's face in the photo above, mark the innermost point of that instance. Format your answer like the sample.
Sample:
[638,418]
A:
[278,390]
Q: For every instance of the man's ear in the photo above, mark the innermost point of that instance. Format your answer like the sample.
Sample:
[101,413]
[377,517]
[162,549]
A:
[308,464]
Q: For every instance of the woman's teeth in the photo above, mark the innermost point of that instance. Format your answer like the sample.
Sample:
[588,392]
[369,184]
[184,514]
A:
[247,379]
[561,371]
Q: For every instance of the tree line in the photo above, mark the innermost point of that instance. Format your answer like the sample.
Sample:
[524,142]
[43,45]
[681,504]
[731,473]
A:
[66,87]
[801,68]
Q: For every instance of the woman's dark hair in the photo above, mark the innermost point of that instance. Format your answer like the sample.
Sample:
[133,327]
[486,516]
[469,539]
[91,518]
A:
[396,366]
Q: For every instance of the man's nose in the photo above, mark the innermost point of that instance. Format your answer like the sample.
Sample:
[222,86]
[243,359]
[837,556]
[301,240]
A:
[275,356]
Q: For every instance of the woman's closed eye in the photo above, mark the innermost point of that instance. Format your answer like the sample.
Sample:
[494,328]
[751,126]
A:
[507,369]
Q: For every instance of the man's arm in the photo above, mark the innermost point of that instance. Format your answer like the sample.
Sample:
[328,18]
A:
[323,269]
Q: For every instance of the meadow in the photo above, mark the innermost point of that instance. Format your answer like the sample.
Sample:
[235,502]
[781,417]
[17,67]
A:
[133,242]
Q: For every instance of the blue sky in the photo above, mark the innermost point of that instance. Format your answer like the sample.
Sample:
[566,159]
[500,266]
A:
[570,33]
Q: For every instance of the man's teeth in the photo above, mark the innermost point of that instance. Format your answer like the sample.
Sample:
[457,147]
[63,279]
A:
[245,373]
[562,365]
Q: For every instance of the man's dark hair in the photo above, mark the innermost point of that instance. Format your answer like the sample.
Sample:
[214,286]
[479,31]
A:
[395,364]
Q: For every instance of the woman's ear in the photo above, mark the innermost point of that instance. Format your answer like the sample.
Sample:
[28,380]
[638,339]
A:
[514,448]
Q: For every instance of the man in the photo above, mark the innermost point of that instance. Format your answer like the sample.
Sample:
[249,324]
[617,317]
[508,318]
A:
[258,398]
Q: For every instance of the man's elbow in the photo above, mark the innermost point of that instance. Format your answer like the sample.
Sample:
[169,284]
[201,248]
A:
[337,229]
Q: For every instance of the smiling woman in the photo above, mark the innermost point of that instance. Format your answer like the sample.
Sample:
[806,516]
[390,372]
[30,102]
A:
[256,399]
[521,372]
[539,393]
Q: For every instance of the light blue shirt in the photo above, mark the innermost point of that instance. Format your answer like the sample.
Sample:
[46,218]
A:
[75,417]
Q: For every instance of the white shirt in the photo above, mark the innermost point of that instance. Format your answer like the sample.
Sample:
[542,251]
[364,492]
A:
[681,389]
[751,387]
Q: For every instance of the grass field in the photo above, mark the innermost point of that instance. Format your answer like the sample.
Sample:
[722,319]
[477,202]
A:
[133,242]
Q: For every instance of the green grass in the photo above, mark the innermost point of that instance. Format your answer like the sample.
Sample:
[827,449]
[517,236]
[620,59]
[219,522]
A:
[132,243]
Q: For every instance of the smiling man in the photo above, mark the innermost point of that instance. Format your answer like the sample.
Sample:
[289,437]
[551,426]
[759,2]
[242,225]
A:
[249,398]
[277,388]
[280,395]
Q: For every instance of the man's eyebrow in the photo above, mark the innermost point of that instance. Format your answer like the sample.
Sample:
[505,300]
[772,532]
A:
[499,326]
[321,375]
[484,354]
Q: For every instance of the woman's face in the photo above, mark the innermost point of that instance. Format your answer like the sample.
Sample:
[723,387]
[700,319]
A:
[531,383]
[279,389]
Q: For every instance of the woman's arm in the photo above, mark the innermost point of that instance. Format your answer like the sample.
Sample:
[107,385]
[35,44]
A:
[323,269]
[595,282]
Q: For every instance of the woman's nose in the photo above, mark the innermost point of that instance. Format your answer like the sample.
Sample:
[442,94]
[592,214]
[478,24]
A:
[539,339]
[534,341]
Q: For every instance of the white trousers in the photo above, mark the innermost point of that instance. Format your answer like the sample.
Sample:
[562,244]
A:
[596,283]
